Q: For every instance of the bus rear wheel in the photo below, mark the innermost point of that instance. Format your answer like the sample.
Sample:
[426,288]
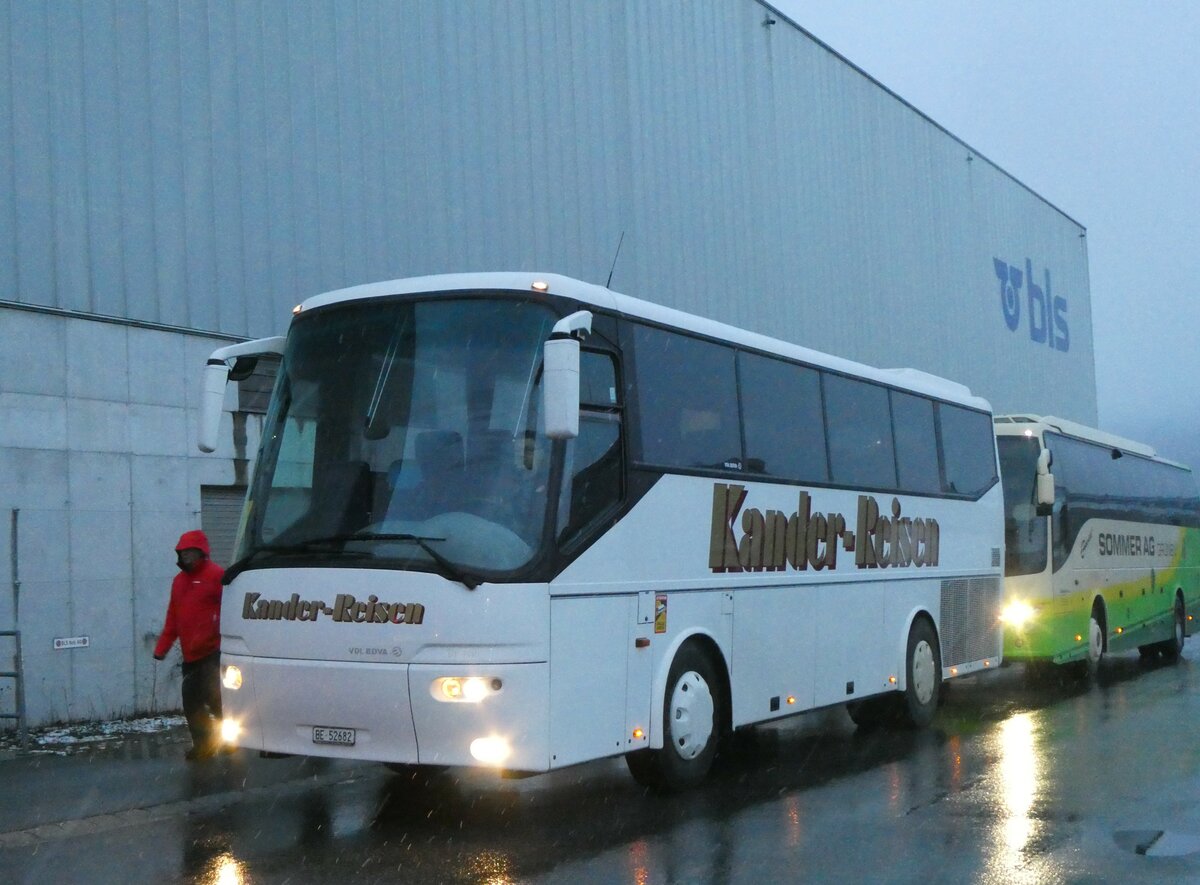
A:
[693,710]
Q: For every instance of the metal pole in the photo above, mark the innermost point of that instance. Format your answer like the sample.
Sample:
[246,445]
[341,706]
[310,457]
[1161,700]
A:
[22,730]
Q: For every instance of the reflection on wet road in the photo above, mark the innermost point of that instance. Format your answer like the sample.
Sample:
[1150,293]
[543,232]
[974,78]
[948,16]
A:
[1019,780]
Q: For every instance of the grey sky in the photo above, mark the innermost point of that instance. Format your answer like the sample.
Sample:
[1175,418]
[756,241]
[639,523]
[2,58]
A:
[1096,106]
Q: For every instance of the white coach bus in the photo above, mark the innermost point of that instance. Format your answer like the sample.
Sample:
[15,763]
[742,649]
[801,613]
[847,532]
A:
[521,521]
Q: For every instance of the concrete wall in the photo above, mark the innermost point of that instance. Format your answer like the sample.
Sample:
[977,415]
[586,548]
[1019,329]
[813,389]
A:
[97,455]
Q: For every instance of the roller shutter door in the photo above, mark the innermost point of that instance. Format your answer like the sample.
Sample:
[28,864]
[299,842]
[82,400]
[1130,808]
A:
[220,513]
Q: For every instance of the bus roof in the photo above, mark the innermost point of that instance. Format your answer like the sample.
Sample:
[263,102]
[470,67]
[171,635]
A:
[1015,424]
[600,297]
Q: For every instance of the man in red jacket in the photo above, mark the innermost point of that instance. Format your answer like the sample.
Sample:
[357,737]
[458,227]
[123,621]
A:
[194,618]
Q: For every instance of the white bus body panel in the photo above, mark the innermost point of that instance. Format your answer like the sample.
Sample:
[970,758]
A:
[592,677]
[801,634]
[376,677]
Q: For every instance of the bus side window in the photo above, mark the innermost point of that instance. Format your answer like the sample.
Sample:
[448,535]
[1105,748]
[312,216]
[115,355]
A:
[688,403]
[968,456]
[859,424]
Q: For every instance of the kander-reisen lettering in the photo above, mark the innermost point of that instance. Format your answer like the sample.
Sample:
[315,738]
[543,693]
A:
[773,541]
[345,609]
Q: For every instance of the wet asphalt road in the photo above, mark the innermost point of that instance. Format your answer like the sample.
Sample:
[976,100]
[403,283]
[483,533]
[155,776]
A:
[1019,780]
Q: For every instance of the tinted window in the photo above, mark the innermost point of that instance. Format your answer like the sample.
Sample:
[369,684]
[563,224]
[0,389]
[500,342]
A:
[597,380]
[1091,484]
[687,400]
[916,443]
[968,450]
[1024,530]
[781,408]
[593,473]
[860,433]
[593,470]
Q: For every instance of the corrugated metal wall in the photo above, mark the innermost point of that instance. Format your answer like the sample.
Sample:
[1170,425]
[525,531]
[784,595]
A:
[209,164]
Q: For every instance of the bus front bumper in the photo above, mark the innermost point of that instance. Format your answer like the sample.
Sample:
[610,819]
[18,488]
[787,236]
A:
[493,715]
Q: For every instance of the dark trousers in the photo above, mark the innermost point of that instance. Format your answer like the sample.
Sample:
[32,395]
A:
[202,698]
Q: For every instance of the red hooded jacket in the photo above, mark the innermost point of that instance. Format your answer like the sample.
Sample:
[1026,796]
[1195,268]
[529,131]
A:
[194,612]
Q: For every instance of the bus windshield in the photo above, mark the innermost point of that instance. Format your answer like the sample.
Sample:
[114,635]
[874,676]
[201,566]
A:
[1024,530]
[405,434]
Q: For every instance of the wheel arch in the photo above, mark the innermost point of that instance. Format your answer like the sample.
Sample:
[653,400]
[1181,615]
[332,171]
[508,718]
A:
[709,645]
[916,613]
[1100,603]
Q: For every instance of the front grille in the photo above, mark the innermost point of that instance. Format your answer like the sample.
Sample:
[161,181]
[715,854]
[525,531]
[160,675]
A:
[970,628]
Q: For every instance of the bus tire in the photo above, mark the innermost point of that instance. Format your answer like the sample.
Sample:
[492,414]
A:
[1172,648]
[1086,669]
[693,711]
[922,676]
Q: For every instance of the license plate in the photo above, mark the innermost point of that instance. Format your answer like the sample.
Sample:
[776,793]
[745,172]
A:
[323,734]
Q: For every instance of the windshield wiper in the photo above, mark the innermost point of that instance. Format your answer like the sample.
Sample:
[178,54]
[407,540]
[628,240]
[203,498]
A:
[448,568]
[306,546]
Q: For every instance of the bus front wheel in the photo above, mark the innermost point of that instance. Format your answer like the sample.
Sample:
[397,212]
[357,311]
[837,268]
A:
[1086,669]
[923,676]
[1172,648]
[693,710]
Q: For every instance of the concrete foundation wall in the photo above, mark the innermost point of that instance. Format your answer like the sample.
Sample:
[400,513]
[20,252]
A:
[97,455]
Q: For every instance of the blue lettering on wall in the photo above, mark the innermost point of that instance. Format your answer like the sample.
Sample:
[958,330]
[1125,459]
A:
[1010,287]
[1047,314]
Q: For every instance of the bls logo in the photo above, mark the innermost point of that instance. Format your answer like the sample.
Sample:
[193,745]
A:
[1047,315]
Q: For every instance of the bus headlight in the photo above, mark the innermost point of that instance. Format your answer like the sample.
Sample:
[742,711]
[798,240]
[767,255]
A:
[232,678]
[1017,614]
[464,689]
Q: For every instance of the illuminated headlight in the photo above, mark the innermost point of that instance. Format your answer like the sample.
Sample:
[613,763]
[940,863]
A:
[1017,613]
[230,729]
[464,689]
[232,678]
[491,750]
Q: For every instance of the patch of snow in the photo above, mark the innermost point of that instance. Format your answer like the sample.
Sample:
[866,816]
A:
[61,739]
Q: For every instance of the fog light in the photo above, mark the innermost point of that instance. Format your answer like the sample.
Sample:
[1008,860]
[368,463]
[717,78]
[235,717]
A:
[230,730]
[232,678]
[491,750]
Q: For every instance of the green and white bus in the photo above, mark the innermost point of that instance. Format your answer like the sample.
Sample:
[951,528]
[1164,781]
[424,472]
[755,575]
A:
[1102,541]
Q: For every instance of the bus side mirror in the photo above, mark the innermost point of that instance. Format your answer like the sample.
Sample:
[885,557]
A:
[217,374]
[1045,484]
[560,375]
